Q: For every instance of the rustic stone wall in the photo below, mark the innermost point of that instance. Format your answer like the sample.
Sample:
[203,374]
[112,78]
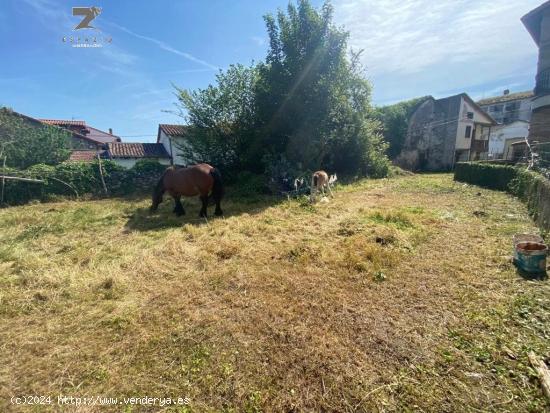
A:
[431,137]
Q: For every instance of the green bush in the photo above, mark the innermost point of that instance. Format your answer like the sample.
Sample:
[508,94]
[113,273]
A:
[531,187]
[247,184]
[80,178]
[534,190]
[486,175]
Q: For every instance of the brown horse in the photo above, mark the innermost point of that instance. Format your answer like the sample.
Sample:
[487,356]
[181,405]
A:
[192,181]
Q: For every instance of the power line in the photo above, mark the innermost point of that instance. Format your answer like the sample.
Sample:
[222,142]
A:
[135,136]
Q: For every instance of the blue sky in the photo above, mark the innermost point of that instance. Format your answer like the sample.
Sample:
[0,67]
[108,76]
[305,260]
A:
[412,48]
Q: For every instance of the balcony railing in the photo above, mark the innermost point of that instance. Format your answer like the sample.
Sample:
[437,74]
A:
[543,83]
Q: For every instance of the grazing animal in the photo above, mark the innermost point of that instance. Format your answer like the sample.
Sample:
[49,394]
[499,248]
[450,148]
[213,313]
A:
[194,180]
[319,181]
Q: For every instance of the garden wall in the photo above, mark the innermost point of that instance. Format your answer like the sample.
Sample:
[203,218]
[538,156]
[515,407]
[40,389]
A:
[532,188]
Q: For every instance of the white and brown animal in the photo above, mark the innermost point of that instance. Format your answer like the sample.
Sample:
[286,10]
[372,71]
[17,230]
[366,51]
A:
[321,181]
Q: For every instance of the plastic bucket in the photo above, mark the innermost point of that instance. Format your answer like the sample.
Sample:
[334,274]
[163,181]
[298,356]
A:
[519,238]
[531,256]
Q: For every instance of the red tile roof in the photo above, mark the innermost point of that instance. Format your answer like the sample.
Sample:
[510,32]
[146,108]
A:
[173,130]
[88,132]
[61,122]
[83,156]
[136,150]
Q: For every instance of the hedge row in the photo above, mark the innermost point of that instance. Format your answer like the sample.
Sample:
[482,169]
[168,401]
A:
[532,188]
[80,178]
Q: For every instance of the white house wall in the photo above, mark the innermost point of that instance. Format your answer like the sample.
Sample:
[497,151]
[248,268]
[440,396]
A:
[463,143]
[523,112]
[501,133]
[171,143]
[130,162]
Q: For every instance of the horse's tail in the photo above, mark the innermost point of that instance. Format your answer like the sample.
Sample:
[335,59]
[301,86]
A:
[315,178]
[159,191]
[217,189]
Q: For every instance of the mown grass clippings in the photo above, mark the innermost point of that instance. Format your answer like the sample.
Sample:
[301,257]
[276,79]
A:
[393,296]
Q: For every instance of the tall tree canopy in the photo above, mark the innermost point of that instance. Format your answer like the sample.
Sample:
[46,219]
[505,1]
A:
[25,142]
[222,119]
[307,105]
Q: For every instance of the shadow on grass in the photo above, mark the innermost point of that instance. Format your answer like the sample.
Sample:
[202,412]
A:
[143,220]
[541,276]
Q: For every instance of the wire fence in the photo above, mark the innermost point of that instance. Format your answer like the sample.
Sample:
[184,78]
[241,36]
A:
[534,156]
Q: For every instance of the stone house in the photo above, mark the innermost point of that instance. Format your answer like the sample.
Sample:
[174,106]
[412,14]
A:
[87,142]
[444,131]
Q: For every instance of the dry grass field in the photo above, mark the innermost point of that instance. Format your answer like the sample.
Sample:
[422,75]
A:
[398,295]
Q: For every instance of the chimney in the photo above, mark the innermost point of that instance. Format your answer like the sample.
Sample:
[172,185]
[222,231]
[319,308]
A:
[506,92]
[110,131]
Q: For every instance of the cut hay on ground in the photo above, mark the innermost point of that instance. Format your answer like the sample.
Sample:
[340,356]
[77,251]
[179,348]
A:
[394,296]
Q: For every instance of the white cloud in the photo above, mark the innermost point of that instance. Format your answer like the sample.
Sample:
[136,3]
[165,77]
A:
[407,36]
[165,46]
[473,41]
[51,14]
[117,55]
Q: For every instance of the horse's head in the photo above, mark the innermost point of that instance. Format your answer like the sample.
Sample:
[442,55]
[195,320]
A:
[332,179]
[157,199]
[158,192]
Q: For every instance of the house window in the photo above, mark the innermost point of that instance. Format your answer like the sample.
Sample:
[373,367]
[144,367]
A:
[496,108]
[468,133]
[511,106]
[470,115]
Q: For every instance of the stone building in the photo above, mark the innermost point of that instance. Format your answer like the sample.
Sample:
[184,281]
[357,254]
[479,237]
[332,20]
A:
[537,23]
[444,131]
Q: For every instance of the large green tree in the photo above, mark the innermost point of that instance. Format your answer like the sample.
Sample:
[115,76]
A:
[221,118]
[307,106]
[313,100]
[25,142]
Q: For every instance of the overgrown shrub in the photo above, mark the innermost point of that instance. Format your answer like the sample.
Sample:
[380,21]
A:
[248,184]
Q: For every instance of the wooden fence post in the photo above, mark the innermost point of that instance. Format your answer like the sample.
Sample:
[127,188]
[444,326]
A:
[3,181]
[101,174]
